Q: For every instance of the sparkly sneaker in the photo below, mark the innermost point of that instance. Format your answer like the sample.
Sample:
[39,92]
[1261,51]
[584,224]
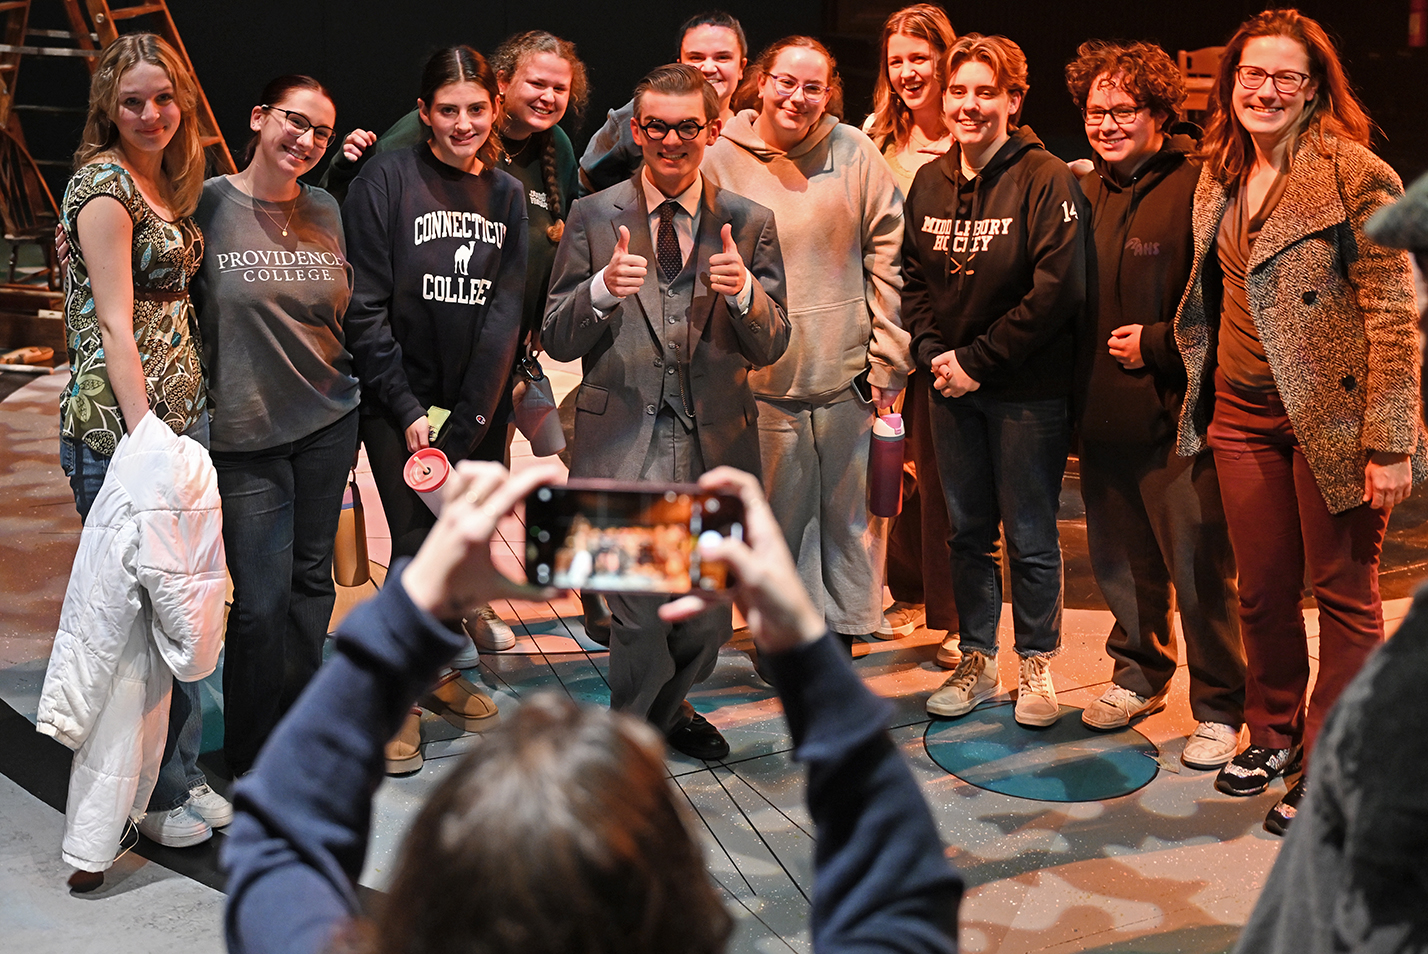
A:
[973,682]
[1211,745]
[1250,772]
[489,632]
[901,619]
[1284,810]
[1118,706]
[210,806]
[1035,695]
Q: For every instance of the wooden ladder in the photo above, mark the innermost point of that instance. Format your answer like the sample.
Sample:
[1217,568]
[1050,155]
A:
[106,20]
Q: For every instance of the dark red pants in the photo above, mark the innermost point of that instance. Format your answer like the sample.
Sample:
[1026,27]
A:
[1278,524]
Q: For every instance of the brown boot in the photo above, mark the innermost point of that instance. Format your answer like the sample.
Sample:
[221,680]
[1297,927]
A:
[403,752]
[462,705]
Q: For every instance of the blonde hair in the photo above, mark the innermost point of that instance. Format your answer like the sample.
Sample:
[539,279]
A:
[183,162]
[892,120]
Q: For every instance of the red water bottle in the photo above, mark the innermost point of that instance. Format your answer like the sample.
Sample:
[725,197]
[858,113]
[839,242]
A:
[885,466]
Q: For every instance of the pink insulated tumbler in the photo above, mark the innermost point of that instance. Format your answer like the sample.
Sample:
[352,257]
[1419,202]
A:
[885,466]
[426,472]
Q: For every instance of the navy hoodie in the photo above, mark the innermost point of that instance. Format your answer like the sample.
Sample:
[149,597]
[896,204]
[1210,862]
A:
[1142,256]
[995,268]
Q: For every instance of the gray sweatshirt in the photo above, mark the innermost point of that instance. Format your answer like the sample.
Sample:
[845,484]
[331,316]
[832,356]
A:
[839,221]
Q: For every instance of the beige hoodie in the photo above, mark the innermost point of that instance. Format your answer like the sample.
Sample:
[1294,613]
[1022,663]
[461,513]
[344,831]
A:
[839,218]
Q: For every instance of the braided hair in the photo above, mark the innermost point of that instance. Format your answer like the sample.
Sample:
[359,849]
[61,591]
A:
[507,61]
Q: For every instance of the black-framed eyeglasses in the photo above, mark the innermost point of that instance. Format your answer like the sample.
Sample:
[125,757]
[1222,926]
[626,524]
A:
[787,85]
[1120,115]
[298,124]
[1285,81]
[658,129]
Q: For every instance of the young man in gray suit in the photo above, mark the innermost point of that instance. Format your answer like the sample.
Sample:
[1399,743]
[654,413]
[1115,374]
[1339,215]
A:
[669,290]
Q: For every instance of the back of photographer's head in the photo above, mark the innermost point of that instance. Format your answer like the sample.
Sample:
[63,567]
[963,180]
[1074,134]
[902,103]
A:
[559,833]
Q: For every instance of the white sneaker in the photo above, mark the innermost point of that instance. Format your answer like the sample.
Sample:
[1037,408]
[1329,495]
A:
[1035,695]
[177,828]
[901,619]
[1118,706]
[466,657]
[1211,745]
[213,808]
[949,654]
[974,681]
[489,631]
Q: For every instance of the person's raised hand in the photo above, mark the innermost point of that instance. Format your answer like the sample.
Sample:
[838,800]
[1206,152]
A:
[766,586]
[727,273]
[625,275]
[452,573]
[357,142]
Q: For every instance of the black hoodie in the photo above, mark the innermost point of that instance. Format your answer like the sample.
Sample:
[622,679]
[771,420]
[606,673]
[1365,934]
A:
[995,268]
[1143,250]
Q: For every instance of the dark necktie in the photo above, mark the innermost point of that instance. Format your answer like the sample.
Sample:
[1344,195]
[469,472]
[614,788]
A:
[671,262]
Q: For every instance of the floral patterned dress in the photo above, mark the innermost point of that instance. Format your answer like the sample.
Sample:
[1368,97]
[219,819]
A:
[166,256]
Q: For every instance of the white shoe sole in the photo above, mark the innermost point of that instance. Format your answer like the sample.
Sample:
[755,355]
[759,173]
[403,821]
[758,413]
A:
[178,841]
[953,711]
[1206,765]
[1037,722]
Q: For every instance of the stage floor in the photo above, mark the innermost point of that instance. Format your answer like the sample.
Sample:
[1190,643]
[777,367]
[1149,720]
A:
[1069,841]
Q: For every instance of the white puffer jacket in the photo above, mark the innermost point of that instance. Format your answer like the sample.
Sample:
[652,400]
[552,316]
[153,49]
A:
[144,604]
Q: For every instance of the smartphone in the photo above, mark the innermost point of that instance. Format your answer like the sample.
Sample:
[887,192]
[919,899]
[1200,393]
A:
[610,537]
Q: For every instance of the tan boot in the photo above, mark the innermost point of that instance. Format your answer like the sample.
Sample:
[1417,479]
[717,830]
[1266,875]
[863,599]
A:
[463,705]
[403,752]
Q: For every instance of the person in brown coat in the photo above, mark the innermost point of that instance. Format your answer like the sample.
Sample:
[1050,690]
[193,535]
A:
[1298,337]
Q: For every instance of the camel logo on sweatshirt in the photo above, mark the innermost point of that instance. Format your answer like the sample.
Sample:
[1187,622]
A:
[1136,247]
[964,235]
[457,288]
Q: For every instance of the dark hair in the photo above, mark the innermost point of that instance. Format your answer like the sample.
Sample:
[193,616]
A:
[462,64]
[1146,74]
[1002,56]
[278,90]
[748,95]
[183,163]
[506,61]
[714,18]
[677,79]
[891,118]
[561,832]
[1334,109]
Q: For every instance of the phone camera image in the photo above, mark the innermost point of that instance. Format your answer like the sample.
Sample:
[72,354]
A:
[605,537]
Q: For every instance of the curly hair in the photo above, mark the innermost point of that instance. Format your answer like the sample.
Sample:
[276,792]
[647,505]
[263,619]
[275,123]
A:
[462,64]
[1143,71]
[1334,110]
[1000,55]
[892,121]
[747,96]
[183,163]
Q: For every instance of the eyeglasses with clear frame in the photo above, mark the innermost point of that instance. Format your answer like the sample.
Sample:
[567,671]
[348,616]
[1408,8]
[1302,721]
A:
[658,129]
[1287,82]
[788,85]
[298,124]
[1120,115]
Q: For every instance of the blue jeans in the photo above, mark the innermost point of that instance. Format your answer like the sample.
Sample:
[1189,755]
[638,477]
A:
[179,771]
[1001,463]
[280,511]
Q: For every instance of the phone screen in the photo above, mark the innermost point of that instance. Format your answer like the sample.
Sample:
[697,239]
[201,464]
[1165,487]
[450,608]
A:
[601,536]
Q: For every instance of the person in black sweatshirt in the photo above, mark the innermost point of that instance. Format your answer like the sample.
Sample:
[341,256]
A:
[1153,518]
[562,832]
[994,271]
[437,238]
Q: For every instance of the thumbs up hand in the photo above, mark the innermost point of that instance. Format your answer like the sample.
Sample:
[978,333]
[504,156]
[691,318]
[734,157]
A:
[727,273]
[625,275]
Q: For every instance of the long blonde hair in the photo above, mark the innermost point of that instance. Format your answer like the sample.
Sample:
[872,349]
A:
[892,120]
[183,163]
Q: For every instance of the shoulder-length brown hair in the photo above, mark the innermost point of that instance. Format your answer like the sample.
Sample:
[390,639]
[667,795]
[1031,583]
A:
[892,121]
[561,832]
[747,96]
[1334,110]
[183,164]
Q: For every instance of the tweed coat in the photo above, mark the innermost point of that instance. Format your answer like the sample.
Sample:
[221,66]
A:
[1334,310]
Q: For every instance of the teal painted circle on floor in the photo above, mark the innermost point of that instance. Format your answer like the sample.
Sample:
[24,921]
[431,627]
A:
[1064,763]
